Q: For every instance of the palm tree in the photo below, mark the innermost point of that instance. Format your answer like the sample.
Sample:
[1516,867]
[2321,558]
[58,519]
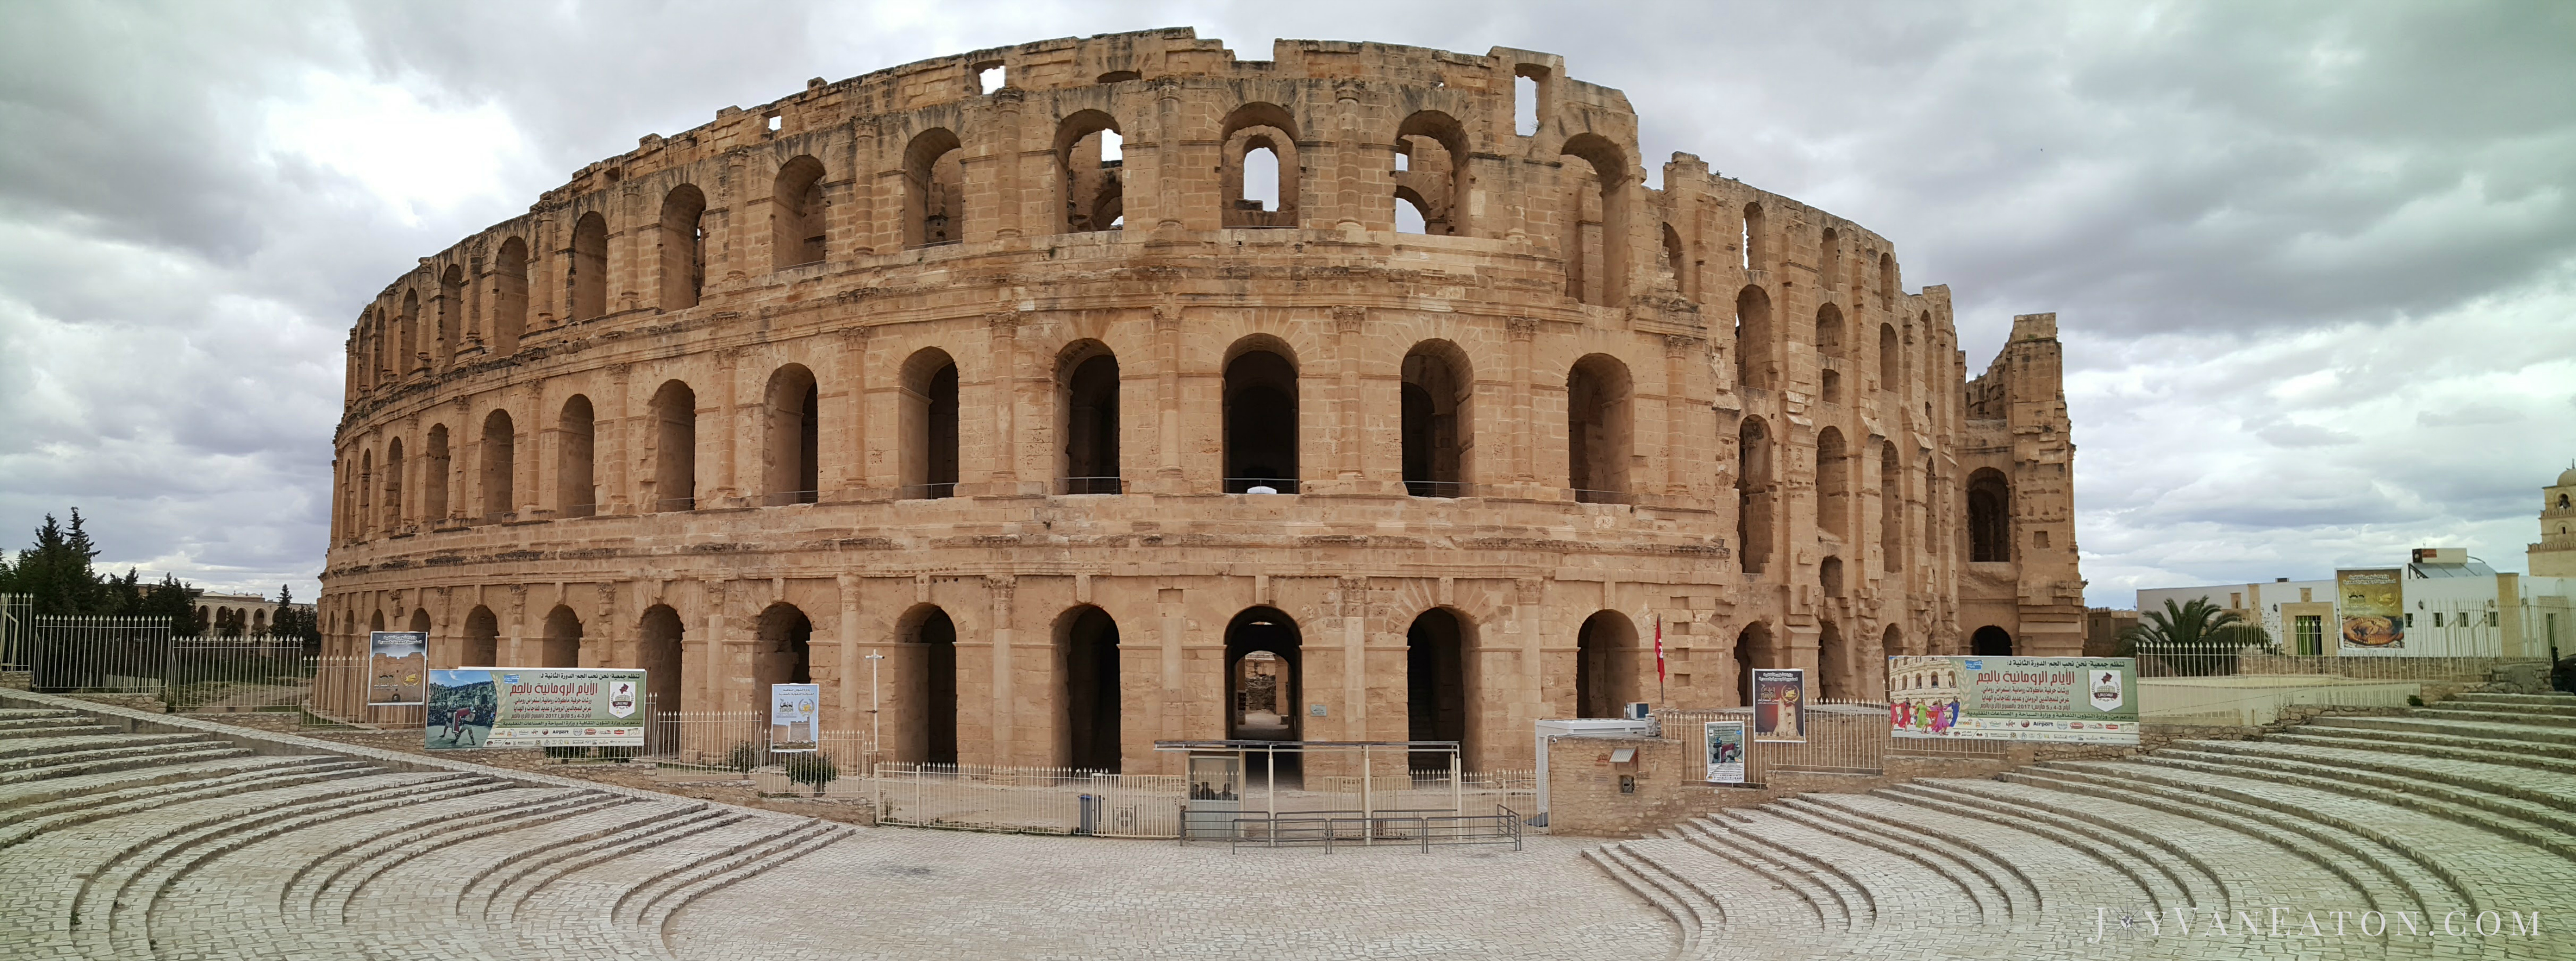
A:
[2195,638]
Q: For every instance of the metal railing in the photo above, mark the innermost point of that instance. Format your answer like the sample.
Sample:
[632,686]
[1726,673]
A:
[1090,485]
[926,492]
[239,674]
[1599,497]
[1419,829]
[1450,489]
[1277,485]
[1034,800]
[2227,660]
[101,655]
[17,624]
[785,498]
[662,504]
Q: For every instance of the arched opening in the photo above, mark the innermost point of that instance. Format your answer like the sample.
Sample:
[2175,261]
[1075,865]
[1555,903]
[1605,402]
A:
[794,438]
[510,294]
[1437,396]
[366,493]
[683,243]
[796,221]
[934,189]
[1597,436]
[586,271]
[394,485]
[482,643]
[1431,173]
[500,465]
[414,348]
[451,313]
[1892,641]
[1834,664]
[1088,168]
[575,493]
[1989,516]
[1752,650]
[1675,271]
[1891,509]
[1887,279]
[1991,641]
[1261,421]
[1756,241]
[1829,273]
[1436,686]
[1757,362]
[1264,686]
[1087,395]
[1087,658]
[419,620]
[1260,167]
[935,686]
[1829,576]
[1833,483]
[561,646]
[1605,665]
[433,476]
[1119,76]
[1830,386]
[658,639]
[1890,358]
[675,447]
[1829,331]
[929,425]
[1596,255]
[1755,493]
[783,652]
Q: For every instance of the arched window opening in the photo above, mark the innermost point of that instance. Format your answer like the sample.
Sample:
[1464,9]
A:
[1436,687]
[366,518]
[1089,172]
[1829,272]
[658,640]
[990,77]
[1754,494]
[451,313]
[419,621]
[1829,386]
[394,485]
[783,651]
[1752,650]
[500,465]
[1525,98]
[259,621]
[929,426]
[1829,576]
[1595,246]
[934,189]
[793,439]
[1598,438]
[683,247]
[1438,395]
[415,349]
[1892,642]
[1676,268]
[796,219]
[1260,423]
[482,644]
[561,646]
[1833,664]
[1829,331]
[933,686]
[510,295]
[433,476]
[1757,359]
[1431,175]
[1757,244]
[1889,359]
[675,448]
[1119,76]
[371,347]
[1088,398]
[1605,665]
[1833,483]
[1260,167]
[586,271]
[1989,516]
[1087,659]
[1991,641]
[576,495]
[1891,509]
[1264,686]
[1887,280]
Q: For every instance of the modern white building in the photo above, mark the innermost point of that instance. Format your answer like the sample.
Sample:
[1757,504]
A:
[2455,606]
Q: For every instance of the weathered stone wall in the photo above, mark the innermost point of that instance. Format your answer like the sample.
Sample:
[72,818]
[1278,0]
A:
[585,435]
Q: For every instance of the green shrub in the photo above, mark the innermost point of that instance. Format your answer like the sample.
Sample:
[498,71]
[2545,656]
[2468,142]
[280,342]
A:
[2414,700]
[811,767]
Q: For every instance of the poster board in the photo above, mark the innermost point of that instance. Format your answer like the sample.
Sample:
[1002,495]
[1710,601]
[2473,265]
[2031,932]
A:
[478,707]
[397,667]
[2372,606]
[1726,751]
[1780,704]
[2084,700]
[795,717]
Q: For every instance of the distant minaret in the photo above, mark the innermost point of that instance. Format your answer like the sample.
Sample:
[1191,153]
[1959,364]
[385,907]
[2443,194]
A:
[2555,555]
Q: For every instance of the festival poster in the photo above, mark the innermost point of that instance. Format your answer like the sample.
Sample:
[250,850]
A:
[397,664]
[539,707]
[795,717]
[1725,740]
[2372,604]
[2087,700]
[1779,704]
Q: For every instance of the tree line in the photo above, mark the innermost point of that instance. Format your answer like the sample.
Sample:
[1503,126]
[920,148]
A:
[58,576]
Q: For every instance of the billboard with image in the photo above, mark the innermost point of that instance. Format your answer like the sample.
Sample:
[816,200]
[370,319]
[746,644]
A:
[1779,704]
[795,717]
[397,666]
[481,707]
[2372,604]
[2092,700]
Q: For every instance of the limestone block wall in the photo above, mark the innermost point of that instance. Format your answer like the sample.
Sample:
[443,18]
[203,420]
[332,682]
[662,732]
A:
[905,367]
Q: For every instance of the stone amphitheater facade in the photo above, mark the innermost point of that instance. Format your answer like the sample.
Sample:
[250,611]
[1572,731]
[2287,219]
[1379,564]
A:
[906,366]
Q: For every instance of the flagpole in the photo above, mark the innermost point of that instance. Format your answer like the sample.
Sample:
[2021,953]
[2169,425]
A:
[1659,661]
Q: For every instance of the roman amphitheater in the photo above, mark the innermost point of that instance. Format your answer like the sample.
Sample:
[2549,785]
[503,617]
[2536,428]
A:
[1097,385]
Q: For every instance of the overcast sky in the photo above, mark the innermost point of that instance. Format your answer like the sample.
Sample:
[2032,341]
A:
[2314,264]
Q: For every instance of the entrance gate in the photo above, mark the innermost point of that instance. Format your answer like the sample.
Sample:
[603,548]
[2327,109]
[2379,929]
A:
[1250,792]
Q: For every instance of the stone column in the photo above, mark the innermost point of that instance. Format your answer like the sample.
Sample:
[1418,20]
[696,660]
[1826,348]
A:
[1525,437]
[1347,323]
[1005,746]
[852,449]
[1167,388]
[1003,451]
[1678,453]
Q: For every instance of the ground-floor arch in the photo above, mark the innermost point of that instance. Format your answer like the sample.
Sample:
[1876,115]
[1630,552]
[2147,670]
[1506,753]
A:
[1991,641]
[1752,650]
[482,641]
[561,645]
[931,738]
[1086,645]
[1438,685]
[1605,665]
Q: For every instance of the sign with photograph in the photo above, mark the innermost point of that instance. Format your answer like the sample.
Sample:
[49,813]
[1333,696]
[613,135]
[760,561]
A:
[536,707]
[1779,704]
[795,717]
[397,666]
[1725,751]
[2090,700]
[2373,606]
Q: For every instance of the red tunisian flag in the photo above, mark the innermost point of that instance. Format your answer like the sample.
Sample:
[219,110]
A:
[1659,650]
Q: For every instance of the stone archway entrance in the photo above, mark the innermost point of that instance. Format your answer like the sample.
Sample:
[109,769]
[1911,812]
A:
[1263,687]
[1991,641]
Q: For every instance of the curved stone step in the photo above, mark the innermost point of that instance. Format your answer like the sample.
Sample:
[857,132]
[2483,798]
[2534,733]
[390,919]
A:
[1889,882]
[2155,892]
[1835,908]
[2505,753]
[2547,789]
[658,921]
[70,812]
[2531,823]
[474,853]
[2484,730]
[2529,717]
[1992,902]
[303,892]
[1696,913]
[540,866]
[668,840]
[1618,871]
[34,795]
[32,778]
[1750,906]
[2501,697]
[66,727]
[2197,880]
[1860,814]
[43,752]
[647,890]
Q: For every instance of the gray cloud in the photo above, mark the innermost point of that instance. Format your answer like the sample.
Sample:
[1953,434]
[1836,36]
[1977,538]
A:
[2313,261]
